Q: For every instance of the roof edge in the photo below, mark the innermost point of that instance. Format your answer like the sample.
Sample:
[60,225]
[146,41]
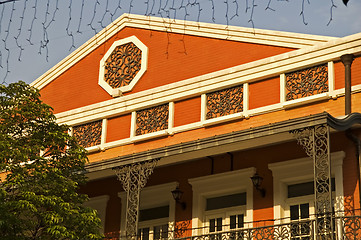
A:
[232,33]
[214,141]
[339,124]
[345,122]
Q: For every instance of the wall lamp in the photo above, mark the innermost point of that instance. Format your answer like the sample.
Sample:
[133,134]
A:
[257,181]
[177,195]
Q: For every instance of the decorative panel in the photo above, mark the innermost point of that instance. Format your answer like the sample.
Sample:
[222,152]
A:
[134,177]
[307,82]
[88,134]
[152,119]
[122,65]
[316,142]
[225,102]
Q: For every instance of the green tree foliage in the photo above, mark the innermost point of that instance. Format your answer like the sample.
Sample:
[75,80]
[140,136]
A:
[42,168]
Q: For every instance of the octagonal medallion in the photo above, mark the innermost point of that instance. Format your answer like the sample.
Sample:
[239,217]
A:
[123,65]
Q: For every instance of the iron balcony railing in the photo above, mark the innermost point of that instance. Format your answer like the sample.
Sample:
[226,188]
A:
[345,228]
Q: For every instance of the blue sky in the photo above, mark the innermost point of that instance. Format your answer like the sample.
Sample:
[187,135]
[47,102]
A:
[15,35]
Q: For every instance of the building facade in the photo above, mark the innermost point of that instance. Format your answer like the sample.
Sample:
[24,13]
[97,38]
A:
[210,131]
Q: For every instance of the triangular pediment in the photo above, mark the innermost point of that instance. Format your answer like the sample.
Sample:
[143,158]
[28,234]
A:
[169,52]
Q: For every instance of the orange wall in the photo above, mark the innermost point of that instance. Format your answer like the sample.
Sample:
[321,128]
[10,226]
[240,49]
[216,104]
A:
[264,93]
[340,73]
[350,169]
[263,207]
[118,128]
[258,158]
[110,187]
[334,107]
[172,57]
[187,111]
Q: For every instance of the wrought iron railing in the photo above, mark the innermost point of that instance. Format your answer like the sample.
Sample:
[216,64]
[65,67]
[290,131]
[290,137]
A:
[345,228]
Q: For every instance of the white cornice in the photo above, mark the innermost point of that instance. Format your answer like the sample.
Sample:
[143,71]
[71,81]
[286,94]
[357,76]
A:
[249,72]
[269,37]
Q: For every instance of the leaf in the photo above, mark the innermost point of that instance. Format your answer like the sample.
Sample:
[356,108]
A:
[44,168]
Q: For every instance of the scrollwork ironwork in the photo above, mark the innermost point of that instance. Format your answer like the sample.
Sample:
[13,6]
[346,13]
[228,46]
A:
[122,65]
[286,231]
[133,178]
[315,141]
[306,82]
[346,227]
[351,227]
[88,134]
[181,228]
[152,119]
[224,102]
[300,230]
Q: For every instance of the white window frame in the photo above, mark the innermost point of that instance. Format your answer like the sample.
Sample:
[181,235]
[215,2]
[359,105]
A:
[297,171]
[220,185]
[153,223]
[225,214]
[151,197]
[310,199]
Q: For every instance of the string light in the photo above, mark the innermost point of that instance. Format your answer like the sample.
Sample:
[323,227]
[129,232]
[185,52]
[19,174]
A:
[29,21]
[81,16]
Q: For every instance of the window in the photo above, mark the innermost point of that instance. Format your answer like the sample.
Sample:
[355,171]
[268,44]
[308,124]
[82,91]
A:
[156,212]
[154,232]
[222,202]
[300,208]
[300,221]
[225,213]
[225,220]
[153,223]
[215,224]
[294,193]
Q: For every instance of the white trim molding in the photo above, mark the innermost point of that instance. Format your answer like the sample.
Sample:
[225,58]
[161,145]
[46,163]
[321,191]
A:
[219,185]
[151,197]
[245,73]
[229,33]
[299,171]
[116,92]
[305,100]
[171,130]
[104,133]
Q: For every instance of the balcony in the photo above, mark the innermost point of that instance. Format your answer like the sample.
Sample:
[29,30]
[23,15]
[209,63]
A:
[345,227]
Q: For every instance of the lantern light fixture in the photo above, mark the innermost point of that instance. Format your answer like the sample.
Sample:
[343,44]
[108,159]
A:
[177,196]
[257,181]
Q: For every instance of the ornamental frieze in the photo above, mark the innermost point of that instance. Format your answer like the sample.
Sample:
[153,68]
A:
[88,134]
[307,82]
[224,102]
[152,119]
[123,65]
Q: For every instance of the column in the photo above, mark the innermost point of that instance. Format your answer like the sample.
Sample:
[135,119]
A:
[347,60]
[133,178]
[316,142]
